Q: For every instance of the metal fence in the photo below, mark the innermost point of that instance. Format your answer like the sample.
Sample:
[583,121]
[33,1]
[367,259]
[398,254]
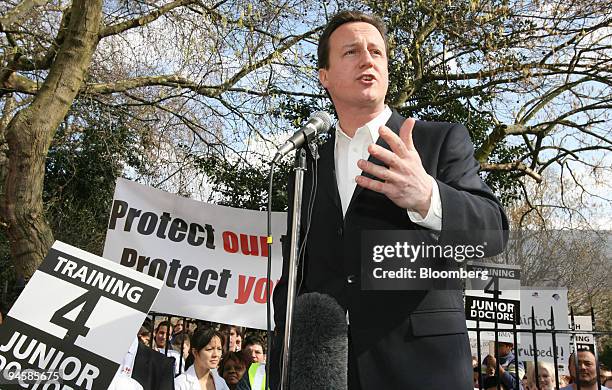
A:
[534,333]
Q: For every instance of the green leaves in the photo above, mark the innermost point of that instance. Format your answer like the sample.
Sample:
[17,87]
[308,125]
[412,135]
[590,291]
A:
[245,185]
[90,150]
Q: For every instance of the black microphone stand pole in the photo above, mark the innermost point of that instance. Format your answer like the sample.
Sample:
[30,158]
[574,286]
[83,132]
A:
[299,167]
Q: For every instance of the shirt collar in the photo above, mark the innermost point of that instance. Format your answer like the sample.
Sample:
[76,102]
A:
[372,125]
[190,375]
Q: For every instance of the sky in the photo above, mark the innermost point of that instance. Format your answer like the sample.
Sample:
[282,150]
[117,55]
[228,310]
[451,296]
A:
[141,51]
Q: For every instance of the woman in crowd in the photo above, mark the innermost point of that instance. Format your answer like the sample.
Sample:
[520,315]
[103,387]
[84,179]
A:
[206,348]
[232,368]
[546,376]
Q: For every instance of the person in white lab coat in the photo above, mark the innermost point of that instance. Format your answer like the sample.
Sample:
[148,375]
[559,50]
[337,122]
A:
[206,347]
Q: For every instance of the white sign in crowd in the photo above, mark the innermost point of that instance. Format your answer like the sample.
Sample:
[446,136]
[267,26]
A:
[494,300]
[212,259]
[542,300]
[73,323]
[501,297]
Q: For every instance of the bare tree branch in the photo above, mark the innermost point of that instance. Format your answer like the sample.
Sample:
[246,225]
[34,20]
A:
[510,167]
[12,15]
[143,20]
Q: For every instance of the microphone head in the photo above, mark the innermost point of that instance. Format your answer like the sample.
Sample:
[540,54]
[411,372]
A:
[325,121]
[318,123]
[319,344]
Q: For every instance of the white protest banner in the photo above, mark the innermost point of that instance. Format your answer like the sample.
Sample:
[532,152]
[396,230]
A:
[495,298]
[212,258]
[542,300]
[74,322]
[585,340]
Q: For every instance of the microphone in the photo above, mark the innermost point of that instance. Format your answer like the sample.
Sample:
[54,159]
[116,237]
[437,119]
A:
[319,346]
[318,123]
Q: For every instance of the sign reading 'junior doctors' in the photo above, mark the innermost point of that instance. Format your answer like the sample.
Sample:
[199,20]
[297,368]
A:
[74,322]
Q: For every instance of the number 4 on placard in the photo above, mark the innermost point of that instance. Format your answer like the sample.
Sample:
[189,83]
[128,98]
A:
[493,287]
[76,327]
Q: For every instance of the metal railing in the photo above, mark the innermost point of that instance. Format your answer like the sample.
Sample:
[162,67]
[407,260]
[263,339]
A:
[533,332]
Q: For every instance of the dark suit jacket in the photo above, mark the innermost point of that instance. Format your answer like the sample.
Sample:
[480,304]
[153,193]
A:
[402,339]
[153,370]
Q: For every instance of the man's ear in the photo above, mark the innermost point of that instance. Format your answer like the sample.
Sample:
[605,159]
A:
[323,77]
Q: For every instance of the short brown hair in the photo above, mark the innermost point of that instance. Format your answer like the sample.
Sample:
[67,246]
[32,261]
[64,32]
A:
[254,339]
[338,20]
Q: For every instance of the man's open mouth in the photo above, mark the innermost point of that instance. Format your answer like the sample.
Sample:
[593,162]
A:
[367,77]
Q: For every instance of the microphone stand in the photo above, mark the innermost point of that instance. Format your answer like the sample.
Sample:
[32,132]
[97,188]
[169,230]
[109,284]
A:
[299,167]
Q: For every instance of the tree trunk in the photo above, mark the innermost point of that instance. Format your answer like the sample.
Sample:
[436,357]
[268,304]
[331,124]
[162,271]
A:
[7,114]
[29,135]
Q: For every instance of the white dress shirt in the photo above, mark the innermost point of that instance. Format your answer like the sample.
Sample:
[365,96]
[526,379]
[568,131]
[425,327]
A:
[349,150]
[189,380]
[179,362]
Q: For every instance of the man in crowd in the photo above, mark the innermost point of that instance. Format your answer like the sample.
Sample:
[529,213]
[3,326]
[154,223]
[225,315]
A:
[162,332]
[177,329]
[152,370]
[380,171]
[254,348]
[507,368]
[233,335]
[604,374]
[144,368]
[587,371]
[144,335]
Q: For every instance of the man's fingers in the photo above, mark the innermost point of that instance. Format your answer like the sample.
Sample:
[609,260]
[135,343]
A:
[397,145]
[385,155]
[380,172]
[405,133]
[371,184]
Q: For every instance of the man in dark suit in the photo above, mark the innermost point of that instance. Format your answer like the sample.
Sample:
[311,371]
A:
[153,370]
[379,171]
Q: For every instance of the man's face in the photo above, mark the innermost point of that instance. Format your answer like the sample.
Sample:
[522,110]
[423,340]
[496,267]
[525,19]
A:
[178,328]
[357,74]
[160,336]
[234,340]
[504,349]
[238,343]
[587,374]
[145,339]
[186,348]
[255,351]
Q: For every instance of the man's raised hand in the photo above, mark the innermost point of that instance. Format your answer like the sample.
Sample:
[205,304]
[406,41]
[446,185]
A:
[405,181]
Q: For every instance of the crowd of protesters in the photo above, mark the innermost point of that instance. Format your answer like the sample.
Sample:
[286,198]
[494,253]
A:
[506,373]
[208,356]
[199,355]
